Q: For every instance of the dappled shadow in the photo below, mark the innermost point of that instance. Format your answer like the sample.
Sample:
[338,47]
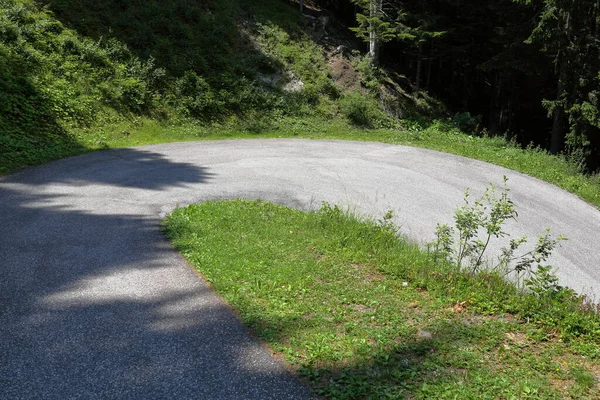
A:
[415,367]
[462,353]
[94,303]
[24,110]
[179,35]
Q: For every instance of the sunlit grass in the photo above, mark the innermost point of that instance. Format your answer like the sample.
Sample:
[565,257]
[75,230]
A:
[360,313]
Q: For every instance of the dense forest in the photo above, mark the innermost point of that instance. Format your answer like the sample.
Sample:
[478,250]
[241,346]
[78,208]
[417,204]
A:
[529,69]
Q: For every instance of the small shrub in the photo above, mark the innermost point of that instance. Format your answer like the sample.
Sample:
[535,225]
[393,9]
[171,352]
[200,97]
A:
[476,224]
[328,87]
[466,122]
[370,76]
[257,122]
[360,110]
[194,97]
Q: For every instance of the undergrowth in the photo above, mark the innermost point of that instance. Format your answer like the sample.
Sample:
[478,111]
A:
[67,67]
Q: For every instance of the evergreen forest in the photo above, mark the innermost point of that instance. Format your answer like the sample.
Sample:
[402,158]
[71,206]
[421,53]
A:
[529,69]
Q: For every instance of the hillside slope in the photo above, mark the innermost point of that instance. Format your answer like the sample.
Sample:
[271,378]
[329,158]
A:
[70,69]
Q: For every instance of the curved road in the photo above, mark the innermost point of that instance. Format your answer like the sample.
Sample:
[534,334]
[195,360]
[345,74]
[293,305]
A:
[94,303]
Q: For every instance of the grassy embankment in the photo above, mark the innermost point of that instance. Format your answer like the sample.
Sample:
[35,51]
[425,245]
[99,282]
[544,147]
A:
[78,78]
[361,313]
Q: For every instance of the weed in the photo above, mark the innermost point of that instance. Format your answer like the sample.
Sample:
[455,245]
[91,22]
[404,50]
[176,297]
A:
[486,217]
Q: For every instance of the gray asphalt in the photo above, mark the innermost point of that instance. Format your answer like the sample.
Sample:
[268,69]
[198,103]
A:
[94,303]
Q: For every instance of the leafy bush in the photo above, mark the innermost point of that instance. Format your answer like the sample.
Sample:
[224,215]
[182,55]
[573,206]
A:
[463,246]
[29,127]
[362,110]
[466,122]
[370,76]
[194,96]
[257,122]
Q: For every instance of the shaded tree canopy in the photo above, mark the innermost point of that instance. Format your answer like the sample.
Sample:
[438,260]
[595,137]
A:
[530,68]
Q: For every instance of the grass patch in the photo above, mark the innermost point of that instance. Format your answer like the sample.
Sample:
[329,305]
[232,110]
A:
[361,313]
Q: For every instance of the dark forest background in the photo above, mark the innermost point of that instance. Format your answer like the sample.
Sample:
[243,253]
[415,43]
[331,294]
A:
[526,69]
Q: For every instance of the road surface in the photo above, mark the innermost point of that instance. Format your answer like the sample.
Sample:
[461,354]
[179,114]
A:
[94,303]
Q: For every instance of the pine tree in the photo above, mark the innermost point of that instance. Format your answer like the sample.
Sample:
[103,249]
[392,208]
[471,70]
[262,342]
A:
[374,27]
[567,30]
[417,29]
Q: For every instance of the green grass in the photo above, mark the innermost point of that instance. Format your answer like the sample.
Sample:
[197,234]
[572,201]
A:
[360,313]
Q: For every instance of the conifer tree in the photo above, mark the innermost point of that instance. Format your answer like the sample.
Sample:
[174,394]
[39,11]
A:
[374,26]
[567,31]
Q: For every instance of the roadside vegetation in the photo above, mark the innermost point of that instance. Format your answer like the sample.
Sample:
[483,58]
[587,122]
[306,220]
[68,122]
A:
[361,313]
[358,312]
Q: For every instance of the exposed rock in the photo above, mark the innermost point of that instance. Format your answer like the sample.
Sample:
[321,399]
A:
[425,335]
[294,85]
[269,79]
[344,74]
[341,49]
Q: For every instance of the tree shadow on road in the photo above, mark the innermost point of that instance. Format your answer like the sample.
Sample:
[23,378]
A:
[123,168]
[95,303]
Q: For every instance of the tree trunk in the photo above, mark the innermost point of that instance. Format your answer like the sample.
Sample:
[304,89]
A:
[374,12]
[494,122]
[419,66]
[465,91]
[596,37]
[301,6]
[428,82]
[439,72]
[511,101]
[557,139]
[372,36]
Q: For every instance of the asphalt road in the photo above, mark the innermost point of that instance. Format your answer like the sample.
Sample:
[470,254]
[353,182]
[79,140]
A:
[94,303]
